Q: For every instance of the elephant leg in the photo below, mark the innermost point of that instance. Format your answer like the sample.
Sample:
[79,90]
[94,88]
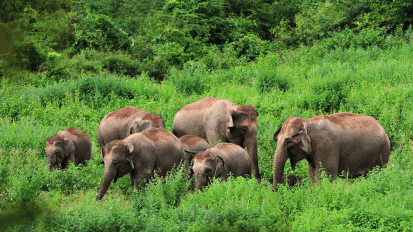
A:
[131,177]
[311,173]
[329,165]
[142,177]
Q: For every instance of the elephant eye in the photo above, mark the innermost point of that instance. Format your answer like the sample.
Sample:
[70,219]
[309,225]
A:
[208,170]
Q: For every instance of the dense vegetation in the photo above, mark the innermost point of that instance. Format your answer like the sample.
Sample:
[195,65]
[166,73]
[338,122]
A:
[69,63]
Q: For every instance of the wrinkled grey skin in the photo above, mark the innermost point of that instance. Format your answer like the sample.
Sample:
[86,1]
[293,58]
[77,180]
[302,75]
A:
[141,155]
[192,145]
[221,120]
[70,144]
[219,161]
[337,143]
[121,123]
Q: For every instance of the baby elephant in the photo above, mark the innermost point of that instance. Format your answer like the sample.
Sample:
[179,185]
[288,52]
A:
[219,161]
[192,145]
[291,180]
[70,144]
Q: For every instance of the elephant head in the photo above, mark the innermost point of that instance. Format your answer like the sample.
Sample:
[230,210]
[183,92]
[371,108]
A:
[147,122]
[206,166]
[118,162]
[59,151]
[242,130]
[293,143]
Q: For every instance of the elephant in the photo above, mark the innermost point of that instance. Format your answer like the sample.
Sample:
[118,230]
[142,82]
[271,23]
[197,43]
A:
[192,146]
[220,120]
[141,155]
[336,143]
[219,161]
[70,144]
[121,123]
[291,180]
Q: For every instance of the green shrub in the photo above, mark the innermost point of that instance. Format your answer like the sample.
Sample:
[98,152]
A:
[326,95]
[192,79]
[121,64]
[268,79]
[98,32]
[251,46]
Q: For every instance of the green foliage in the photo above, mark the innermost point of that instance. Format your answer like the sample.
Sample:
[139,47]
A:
[98,32]
[326,95]
[191,80]
[268,79]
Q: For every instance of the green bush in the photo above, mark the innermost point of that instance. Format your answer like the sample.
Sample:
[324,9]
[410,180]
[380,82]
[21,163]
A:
[97,31]
[325,95]
[121,64]
[192,79]
[268,79]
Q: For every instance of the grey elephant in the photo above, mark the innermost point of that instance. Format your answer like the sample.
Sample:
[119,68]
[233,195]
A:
[339,142]
[221,120]
[219,161]
[70,144]
[121,123]
[290,179]
[141,155]
[192,145]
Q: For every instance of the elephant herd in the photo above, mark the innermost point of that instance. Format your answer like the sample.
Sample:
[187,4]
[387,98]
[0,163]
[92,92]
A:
[212,134]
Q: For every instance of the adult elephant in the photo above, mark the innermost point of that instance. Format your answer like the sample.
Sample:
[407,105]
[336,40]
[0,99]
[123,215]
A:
[70,144]
[219,161]
[121,123]
[141,155]
[216,120]
[339,142]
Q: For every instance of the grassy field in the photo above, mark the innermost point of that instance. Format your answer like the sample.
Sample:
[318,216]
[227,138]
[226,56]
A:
[303,82]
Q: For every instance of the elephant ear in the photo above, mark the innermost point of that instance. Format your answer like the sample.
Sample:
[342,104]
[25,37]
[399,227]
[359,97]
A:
[305,143]
[103,154]
[219,166]
[69,149]
[230,118]
[144,125]
[134,128]
[129,154]
[275,137]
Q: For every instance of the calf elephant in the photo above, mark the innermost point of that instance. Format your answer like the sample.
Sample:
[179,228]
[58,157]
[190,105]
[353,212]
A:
[291,180]
[220,120]
[339,142]
[70,144]
[192,145]
[121,123]
[141,155]
[219,161]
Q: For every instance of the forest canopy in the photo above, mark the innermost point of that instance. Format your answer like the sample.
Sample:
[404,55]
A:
[61,39]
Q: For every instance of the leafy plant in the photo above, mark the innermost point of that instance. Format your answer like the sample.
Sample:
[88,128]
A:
[268,79]
[192,79]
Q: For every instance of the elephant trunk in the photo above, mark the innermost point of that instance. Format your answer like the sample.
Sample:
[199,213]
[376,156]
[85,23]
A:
[251,144]
[52,161]
[280,157]
[108,176]
[200,181]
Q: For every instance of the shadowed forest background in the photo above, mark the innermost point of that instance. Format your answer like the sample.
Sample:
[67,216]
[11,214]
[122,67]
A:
[69,63]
